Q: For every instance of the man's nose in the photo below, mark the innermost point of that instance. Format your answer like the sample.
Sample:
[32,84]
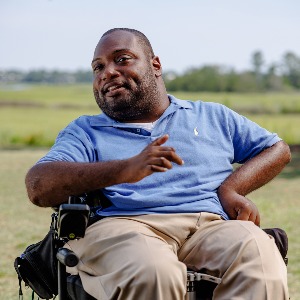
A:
[109,72]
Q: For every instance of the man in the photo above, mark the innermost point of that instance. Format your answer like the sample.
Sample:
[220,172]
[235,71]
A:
[166,166]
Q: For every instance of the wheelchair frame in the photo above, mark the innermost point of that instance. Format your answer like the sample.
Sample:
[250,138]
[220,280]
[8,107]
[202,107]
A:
[71,223]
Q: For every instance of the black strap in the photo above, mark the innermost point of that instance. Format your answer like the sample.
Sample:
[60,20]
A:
[16,263]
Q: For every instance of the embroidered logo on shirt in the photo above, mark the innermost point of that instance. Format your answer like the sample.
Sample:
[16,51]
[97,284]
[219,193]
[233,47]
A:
[196,132]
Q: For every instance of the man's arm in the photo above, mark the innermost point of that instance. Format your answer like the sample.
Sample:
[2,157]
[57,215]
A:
[50,184]
[250,176]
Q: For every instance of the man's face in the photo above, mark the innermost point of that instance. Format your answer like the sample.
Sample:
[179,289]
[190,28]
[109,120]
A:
[125,86]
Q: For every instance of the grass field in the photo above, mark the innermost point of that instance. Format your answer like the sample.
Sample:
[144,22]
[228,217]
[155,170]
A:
[31,117]
[22,223]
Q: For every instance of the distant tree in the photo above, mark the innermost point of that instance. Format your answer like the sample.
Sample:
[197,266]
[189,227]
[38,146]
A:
[291,69]
[11,76]
[257,61]
[36,76]
[206,78]
[272,80]
[83,76]
[232,81]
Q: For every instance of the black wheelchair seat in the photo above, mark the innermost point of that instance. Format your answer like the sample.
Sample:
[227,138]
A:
[75,289]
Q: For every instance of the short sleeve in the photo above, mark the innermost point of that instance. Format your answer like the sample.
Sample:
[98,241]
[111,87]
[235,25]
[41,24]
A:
[248,138]
[72,144]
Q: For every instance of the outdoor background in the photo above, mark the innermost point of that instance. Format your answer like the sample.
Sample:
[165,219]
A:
[244,54]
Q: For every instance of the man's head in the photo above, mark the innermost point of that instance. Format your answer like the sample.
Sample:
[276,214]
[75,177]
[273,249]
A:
[128,85]
[142,40]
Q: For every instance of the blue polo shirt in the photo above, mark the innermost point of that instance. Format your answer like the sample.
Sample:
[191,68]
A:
[209,137]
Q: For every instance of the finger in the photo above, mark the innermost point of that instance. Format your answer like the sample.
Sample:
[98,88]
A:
[243,214]
[254,213]
[166,148]
[159,141]
[155,168]
[252,217]
[232,214]
[246,215]
[257,220]
[171,156]
[161,162]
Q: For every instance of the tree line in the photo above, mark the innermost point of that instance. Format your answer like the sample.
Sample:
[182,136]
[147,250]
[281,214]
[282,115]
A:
[214,78]
[261,77]
[46,76]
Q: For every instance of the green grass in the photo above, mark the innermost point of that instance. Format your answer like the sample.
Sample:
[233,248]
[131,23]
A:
[32,126]
[286,126]
[22,223]
[271,103]
[48,95]
[33,115]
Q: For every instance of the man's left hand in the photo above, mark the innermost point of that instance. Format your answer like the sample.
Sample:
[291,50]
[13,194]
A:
[239,207]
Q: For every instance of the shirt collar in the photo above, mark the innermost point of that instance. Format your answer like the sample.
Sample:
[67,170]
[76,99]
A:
[181,103]
[103,120]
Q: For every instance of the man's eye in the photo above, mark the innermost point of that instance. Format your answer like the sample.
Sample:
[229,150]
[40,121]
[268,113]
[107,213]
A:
[123,59]
[97,68]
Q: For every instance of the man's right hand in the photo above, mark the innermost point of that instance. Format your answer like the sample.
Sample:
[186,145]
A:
[154,158]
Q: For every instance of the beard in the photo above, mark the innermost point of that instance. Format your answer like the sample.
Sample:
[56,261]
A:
[136,103]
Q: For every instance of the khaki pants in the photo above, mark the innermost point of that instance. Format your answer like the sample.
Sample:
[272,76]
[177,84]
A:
[145,257]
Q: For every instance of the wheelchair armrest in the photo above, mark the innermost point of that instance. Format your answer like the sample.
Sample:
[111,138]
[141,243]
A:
[72,221]
[67,257]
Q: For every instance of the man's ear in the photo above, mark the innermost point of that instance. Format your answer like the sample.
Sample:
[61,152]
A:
[157,66]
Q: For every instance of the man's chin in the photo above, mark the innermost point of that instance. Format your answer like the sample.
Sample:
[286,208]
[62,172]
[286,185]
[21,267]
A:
[122,114]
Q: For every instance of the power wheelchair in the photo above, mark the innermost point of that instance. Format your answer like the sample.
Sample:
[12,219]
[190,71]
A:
[70,222]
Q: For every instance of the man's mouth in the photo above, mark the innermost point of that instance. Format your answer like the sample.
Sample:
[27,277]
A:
[113,89]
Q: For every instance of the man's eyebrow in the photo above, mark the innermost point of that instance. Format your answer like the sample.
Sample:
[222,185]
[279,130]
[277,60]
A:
[95,59]
[114,52]
[121,50]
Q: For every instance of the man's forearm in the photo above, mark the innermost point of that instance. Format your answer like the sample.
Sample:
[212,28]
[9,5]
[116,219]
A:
[50,184]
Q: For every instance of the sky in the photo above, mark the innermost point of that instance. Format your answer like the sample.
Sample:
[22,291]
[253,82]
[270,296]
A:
[62,34]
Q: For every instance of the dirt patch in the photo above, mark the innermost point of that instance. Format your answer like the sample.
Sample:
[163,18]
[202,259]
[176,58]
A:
[28,104]
[10,103]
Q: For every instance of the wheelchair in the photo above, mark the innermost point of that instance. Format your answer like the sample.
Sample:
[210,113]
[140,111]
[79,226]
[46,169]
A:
[71,223]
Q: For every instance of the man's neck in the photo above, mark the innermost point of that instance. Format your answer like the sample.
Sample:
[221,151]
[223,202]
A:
[155,114]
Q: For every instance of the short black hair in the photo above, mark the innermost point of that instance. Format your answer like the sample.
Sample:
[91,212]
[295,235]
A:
[142,39]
